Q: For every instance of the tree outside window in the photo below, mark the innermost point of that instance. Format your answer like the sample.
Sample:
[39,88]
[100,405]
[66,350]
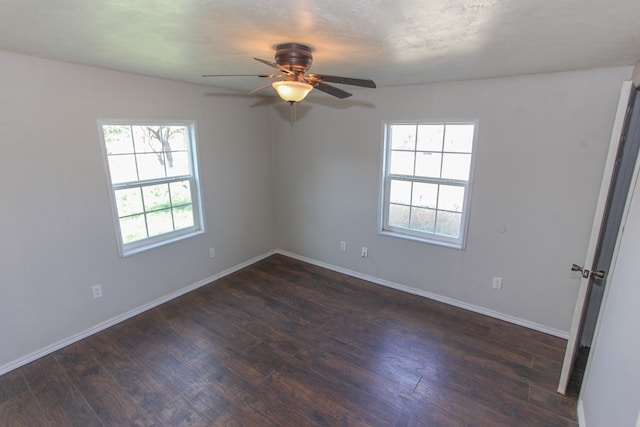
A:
[154,185]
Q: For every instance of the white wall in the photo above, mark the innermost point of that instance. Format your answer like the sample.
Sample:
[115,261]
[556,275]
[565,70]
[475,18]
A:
[540,155]
[56,229]
[611,389]
[636,75]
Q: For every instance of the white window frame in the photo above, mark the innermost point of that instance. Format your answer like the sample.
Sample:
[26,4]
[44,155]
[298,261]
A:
[416,235]
[198,227]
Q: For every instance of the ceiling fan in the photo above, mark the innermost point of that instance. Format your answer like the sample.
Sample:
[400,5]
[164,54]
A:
[293,60]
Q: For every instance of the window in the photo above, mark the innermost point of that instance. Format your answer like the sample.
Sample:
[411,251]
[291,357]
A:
[427,180]
[154,182]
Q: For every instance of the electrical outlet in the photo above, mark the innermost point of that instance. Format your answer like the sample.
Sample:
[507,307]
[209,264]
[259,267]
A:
[497,283]
[212,252]
[97,291]
[343,246]
[365,252]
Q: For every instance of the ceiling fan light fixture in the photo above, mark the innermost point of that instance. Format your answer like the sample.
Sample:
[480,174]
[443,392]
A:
[292,91]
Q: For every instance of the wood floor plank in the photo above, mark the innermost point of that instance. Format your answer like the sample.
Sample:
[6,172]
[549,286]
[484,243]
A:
[12,384]
[106,397]
[492,366]
[360,374]
[22,410]
[497,349]
[553,402]
[286,343]
[324,397]
[60,400]
[145,389]
[256,401]
[518,412]
[546,365]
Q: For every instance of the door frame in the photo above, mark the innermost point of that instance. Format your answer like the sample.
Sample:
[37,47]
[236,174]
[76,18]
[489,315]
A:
[634,193]
[585,282]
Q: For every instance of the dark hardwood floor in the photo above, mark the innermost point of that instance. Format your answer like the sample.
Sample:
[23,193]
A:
[286,343]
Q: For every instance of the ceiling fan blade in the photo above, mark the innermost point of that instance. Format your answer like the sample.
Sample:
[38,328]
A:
[269,76]
[258,89]
[343,80]
[274,65]
[331,90]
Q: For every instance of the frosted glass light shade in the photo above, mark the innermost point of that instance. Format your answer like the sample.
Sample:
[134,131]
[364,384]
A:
[292,91]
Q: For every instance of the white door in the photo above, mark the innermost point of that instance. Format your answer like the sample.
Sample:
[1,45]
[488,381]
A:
[610,394]
[587,272]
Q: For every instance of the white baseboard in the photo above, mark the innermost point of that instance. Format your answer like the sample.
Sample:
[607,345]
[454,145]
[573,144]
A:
[460,304]
[129,314]
[581,421]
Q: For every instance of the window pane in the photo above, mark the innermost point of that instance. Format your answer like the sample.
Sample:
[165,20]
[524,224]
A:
[459,138]
[118,139]
[428,164]
[456,166]
[129,201]
[424,195]
[449,224]
[177,138]
[157,138]
[400,192]
[402,163]
[183,217]
[177,163]
[159,222]
[403,137]
[156,197]
[133,228]
[144,139]
[160,192]
[451,198]
[430,137]
[122,168]
[151,166]
[180,192]
[399,216]
[423,219]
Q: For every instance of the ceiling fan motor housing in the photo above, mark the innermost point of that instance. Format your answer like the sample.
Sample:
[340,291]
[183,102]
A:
[294,56]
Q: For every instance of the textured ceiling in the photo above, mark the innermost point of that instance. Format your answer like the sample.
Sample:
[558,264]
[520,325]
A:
[392,42]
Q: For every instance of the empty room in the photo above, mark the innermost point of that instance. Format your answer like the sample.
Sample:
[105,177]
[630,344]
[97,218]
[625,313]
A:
[319,213]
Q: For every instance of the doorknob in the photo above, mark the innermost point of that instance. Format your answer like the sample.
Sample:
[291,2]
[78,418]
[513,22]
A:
[585,272]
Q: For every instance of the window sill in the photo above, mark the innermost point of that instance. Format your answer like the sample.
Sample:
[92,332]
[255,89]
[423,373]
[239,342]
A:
[435,242]
[127,251]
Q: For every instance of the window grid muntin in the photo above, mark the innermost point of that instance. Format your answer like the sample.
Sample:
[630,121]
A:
[412,180]
[135,152]
[431,237]
[172,206]
[192,179]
